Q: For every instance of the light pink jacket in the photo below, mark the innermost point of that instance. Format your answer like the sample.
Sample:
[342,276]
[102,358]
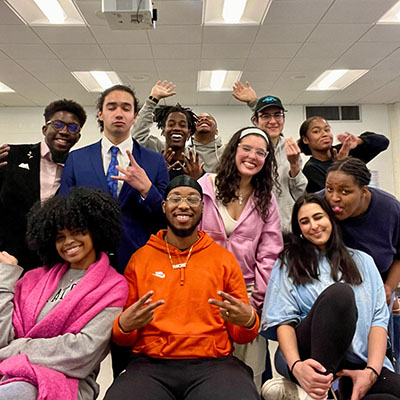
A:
[254,243]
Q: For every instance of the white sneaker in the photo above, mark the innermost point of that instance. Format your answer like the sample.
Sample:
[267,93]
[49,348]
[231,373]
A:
[283,389]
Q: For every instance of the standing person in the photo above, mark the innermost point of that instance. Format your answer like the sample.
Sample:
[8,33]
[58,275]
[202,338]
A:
[32,172]
[326,304]
[203,149]
[316,140]
[241,214]
[134,175]
[269,115]
[55,322]
[180,334]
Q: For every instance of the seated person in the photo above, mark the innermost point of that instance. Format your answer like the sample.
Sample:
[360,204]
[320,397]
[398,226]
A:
[180,335]
[326,303]
[316,140]
[56,321]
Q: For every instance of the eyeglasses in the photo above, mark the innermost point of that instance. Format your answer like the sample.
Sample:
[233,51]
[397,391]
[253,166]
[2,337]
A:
[192,200]
[278,116]
[260,153]
[58,125]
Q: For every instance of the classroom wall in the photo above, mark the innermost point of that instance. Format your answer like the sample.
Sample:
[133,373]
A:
[23,125]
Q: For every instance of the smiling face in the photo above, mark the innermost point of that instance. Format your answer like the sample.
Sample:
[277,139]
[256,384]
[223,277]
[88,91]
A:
[314,224]
[60,142]
[206,125]
[249,163]
[346,198]
[183,217]
[319,136]
[118,115]
[76,248]
[271,120]
[176,130]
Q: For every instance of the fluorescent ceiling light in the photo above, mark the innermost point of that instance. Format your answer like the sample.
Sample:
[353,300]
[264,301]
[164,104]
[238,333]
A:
[247,12]
[218,80]
[52,10]
[96,81]
[337,79]
[5,89]
[233,10]
[47,12]
[392,16]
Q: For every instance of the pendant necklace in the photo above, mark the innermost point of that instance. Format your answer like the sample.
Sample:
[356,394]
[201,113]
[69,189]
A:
[241,197]
[180,265]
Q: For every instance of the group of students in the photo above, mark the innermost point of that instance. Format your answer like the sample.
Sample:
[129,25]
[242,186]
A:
[325,303]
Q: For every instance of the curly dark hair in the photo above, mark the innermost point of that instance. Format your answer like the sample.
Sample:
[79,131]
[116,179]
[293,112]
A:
[84,209]
[227,180]
[161,114]
[122,88]
[353,167]
[304,147]
[301,257]
[65,105]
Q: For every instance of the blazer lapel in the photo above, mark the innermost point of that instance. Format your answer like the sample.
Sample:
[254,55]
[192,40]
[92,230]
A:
[96,161]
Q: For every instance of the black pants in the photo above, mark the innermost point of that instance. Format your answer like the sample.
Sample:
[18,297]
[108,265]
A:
[195,379]
[326,334]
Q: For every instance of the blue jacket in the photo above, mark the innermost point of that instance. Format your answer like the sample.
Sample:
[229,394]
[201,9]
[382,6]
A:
[140,218]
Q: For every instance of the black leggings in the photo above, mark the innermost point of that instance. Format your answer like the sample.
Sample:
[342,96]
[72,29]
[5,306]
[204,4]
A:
[326,334]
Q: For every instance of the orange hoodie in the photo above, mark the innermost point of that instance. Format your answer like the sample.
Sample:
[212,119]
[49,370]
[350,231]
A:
[186,326]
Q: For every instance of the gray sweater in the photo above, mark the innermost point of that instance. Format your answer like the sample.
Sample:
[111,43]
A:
[77,356]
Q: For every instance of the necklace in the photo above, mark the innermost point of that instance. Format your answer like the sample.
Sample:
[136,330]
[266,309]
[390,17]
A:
[242,197]
[180,265]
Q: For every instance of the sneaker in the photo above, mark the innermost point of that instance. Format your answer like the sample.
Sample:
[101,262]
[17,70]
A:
[283,389]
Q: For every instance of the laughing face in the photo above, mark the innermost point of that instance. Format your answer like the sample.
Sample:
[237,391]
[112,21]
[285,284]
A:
[183,217]
[60,142]
[206,124]
[76,248]
[248,155]
[176,130]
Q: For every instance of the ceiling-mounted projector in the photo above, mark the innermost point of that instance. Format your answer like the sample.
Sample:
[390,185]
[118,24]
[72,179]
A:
[129,14]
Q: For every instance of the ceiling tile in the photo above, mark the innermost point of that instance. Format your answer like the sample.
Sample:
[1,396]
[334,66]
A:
[16,100]
[7,16]
[344,11]
[205,98]
[291,12]
[77,52]
[233,64]
[365,55]
[27,51]
[284,33]
[225,51]
[342,33]
[229,34]
[314,98]
[179,65]
[178,12]
[124,51]
[321,50]
[176,34]
[64,34]
[382,33]
[91,10]
[308,64]
[105,35]
[281,50]
[176,50]
[18,34]
[133,65]
[92,64]
[268,64]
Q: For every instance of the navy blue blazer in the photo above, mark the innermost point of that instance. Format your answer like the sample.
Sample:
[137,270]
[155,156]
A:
[140,218]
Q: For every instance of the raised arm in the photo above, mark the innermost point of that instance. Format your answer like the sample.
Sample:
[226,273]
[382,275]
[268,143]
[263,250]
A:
[144,122]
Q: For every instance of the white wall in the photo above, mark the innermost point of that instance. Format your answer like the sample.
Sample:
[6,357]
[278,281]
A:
[23,125]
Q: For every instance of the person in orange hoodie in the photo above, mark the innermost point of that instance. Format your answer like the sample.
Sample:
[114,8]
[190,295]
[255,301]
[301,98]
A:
[181,335]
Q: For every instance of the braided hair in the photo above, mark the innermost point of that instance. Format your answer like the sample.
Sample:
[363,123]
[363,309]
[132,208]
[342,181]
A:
[161,114]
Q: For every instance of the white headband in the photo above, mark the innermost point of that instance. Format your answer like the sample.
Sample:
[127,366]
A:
[254,131]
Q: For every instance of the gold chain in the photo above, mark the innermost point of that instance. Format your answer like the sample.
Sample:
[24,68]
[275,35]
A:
[181,265]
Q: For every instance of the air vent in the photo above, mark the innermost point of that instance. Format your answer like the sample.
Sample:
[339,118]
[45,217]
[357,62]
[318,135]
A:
[334,113]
